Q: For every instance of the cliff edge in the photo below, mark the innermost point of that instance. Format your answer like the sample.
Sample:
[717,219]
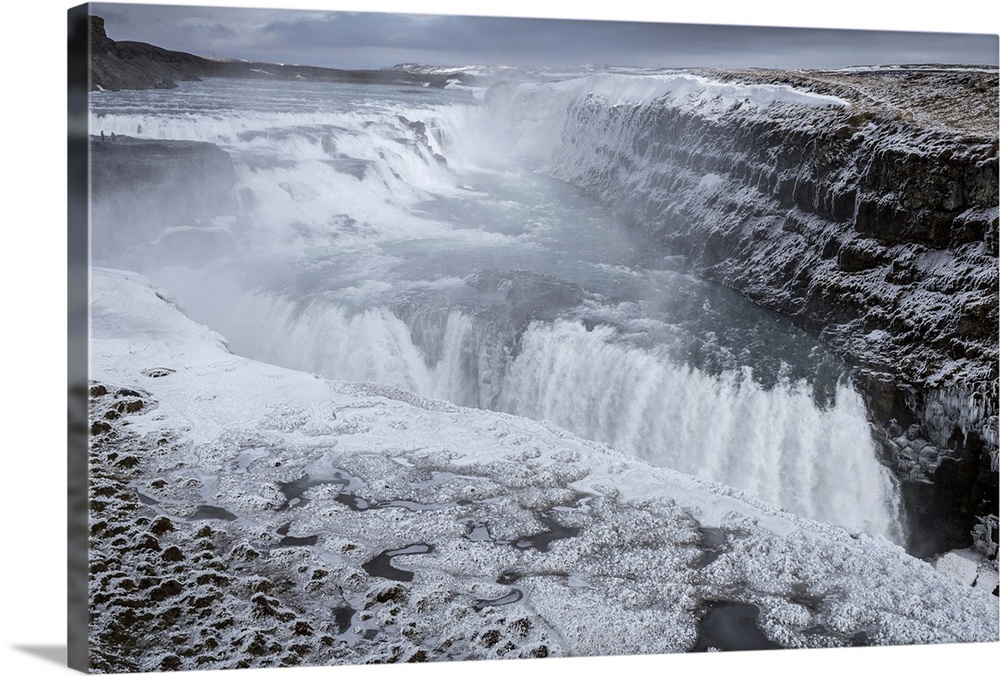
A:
[136,65]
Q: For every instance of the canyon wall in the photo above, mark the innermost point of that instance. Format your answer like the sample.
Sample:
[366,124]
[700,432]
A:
[870,219]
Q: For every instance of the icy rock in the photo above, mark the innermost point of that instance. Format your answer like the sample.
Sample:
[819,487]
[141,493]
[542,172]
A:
[984,536]
[987,580]
[928,454]
[957,565]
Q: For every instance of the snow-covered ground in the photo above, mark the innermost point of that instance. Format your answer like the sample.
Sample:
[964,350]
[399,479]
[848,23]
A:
[259,516]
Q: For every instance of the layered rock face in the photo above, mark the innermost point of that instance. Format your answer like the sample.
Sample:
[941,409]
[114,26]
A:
[872,221]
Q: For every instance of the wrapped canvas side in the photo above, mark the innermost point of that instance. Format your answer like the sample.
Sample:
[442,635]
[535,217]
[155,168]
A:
[77,222]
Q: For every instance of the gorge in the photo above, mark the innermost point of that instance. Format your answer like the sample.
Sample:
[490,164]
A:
[709,353]
[871,221]
[873,230]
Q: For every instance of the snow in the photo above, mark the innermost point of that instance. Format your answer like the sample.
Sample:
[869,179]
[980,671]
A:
[442,492]
[711,181]
[698,91]
[956,565]
[878,336]
[970,568]
[478,93]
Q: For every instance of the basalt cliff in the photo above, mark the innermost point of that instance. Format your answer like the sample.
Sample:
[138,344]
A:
[871,221]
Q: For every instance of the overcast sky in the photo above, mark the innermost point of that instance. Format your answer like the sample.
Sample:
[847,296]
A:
[374,40]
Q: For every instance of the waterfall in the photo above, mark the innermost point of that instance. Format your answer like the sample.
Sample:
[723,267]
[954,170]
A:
[364,224]
[775,443]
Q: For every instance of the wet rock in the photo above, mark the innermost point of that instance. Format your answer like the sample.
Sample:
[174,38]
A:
[128,462]
[986,535]
[98,428]
[158,372]
[170,663]
[173,554]
[860,254]
[161,526]
[149,543]
[166,590]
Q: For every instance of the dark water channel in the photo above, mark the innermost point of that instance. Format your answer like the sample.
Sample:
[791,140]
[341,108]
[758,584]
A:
[728,625]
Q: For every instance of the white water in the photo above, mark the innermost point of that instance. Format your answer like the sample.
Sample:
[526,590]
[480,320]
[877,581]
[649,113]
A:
[775,443]
[360,256]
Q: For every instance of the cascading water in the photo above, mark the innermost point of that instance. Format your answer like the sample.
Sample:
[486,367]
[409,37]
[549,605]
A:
[403,237]
[773,442]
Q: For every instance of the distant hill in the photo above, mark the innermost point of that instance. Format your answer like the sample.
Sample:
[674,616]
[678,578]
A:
[123,64]
[136,65]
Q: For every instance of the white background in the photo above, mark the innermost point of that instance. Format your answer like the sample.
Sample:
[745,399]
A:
[33,327]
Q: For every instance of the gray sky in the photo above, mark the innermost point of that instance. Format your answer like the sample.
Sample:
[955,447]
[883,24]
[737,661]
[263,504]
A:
[374,40]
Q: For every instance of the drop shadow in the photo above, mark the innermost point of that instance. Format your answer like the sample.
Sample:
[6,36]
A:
[50,653]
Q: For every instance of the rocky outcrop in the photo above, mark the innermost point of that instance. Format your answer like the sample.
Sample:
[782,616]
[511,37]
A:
[873,223]
[116,65]
[158,199]
[136,65]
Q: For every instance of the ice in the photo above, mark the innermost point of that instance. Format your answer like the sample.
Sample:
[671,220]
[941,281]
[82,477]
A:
[962,568]
[970,568]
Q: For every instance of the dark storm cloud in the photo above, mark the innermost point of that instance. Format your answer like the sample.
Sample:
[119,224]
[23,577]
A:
[357,40]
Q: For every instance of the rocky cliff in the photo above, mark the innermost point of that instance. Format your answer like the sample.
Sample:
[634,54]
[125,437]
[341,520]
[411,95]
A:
[135,65]
[871,220]
[116,65]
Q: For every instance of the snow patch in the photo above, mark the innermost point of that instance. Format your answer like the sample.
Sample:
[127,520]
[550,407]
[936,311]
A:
[710,181]
[959,565]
